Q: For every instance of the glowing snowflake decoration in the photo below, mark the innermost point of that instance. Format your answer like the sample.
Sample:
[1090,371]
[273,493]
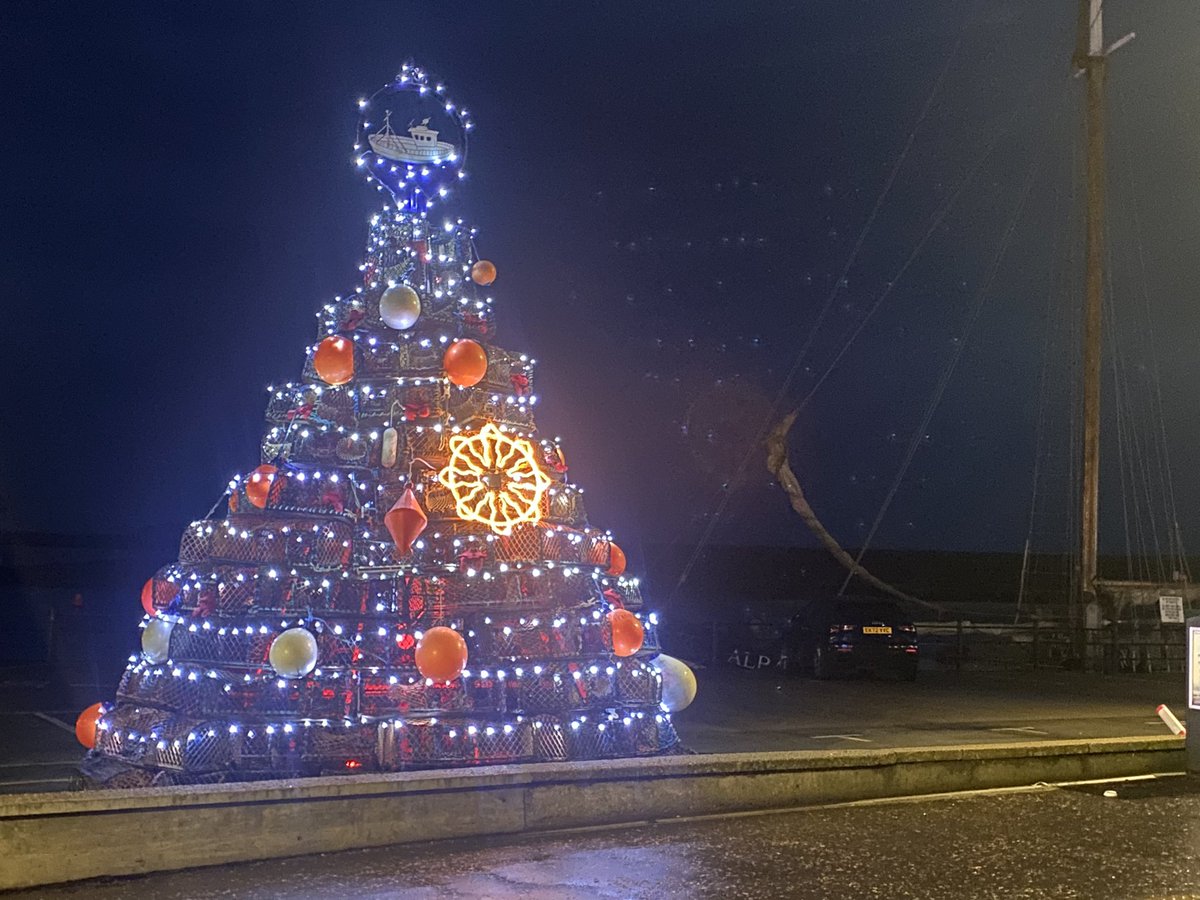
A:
[495,479]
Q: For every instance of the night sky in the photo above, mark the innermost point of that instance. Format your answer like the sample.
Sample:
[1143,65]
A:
[670,192]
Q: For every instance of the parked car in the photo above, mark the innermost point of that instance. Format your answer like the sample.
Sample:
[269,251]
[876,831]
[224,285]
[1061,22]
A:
[846,634]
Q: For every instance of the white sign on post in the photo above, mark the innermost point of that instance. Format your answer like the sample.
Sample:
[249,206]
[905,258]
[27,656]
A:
[1193,660]
[1170,609]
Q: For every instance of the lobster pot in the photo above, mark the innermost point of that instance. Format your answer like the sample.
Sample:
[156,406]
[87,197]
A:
[566,506]
[258,540]
[476,408]
[113,774]
[192,691]
[546,691]
[312,496]
[639,684]
[541,641]
[428,743]
[597,551]
[525,543]
[219,644]
[194,544]
[595,634]
[592,739]
[284,697]
[550,744]
[236,594]
[165,585]
[155,738]
[267,748]
[631,594]
[595,684]
[649,734]
[337,748]
[475,592]
[379,697]
[426,600]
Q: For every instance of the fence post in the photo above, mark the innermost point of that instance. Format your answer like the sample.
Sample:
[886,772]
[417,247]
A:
[960,649]
[1114,651]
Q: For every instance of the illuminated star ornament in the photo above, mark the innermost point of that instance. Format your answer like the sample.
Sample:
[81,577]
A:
[495,479]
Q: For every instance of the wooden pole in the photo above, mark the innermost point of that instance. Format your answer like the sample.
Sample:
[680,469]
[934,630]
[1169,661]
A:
[1090,56]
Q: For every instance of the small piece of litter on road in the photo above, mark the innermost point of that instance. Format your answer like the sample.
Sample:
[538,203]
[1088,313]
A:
[1110,793]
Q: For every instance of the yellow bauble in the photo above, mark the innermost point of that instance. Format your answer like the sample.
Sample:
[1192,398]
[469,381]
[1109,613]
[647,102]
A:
[400,307]
[156,640]
[293,653]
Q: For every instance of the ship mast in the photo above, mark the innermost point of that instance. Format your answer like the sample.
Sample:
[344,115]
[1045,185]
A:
[1091,60]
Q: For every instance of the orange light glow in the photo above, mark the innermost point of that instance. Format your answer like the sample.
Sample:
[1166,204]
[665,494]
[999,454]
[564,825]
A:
[495,479]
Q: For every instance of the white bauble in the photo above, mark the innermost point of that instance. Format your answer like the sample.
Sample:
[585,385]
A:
[400,307]
[294,653]
[156,640]
[678,682]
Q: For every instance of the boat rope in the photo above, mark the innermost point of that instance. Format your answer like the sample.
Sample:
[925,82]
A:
[951,365]
[777,464]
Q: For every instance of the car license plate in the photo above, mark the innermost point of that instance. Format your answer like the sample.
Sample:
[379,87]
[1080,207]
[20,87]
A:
[877,629]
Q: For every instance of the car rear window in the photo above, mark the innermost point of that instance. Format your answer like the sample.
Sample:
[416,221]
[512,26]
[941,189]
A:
[858,613]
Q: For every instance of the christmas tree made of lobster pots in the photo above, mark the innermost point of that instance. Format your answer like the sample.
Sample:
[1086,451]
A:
[408,579]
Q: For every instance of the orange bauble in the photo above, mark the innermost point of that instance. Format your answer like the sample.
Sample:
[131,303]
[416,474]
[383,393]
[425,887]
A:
[441,654]
[85,725]
[334,359]
[627,632]
[258,485]
[465,363]
[148,597]
[616,560]
[483,272]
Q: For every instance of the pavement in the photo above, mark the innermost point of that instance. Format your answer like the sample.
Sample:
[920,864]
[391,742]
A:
[1047,841]
[737,710]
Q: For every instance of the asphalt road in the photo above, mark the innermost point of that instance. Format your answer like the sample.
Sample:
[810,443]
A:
[1062,842]
[736,710]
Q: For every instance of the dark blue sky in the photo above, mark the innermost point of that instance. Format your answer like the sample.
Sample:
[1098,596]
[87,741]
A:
[669,191]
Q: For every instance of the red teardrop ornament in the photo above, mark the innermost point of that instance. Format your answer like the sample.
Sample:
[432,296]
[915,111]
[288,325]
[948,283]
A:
[405,521]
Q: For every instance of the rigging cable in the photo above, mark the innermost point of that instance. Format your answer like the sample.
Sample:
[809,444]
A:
[1122,437]
[935,224]
[1039,433]
[1175,536]
[948,372]
[827,306]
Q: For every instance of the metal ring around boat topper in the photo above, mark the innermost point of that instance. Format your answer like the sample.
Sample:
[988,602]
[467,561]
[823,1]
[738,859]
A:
[417,162]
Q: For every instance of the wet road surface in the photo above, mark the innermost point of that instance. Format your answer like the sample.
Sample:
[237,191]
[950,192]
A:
[1061,842]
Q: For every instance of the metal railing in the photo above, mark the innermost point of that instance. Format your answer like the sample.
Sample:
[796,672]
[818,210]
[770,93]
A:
[1114,648]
